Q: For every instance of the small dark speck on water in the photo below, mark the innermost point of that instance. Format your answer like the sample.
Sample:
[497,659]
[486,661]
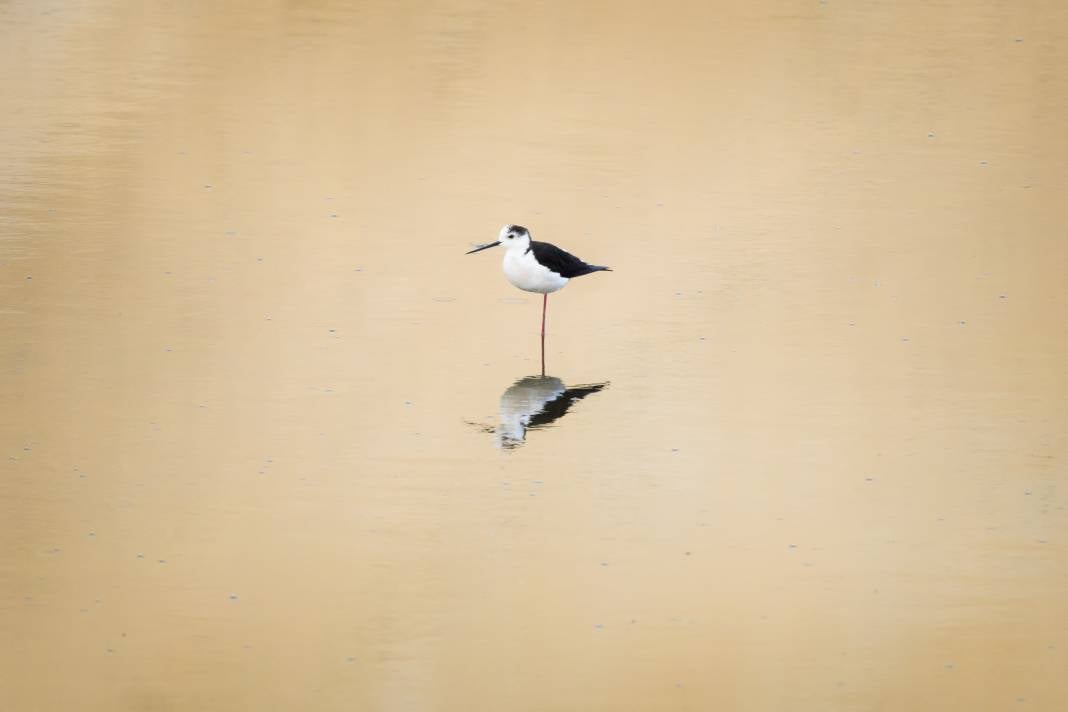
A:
[140,556]
[793,546]
[207,185]
[349,659]
[689,553]
[92,533]
[407,402]
[674,449]
[233,596]
[162,561]
[963,323]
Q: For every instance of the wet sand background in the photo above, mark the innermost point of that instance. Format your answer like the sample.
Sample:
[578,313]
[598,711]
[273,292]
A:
[246,371]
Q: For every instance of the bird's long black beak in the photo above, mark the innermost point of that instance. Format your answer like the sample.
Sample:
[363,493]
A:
[484,247]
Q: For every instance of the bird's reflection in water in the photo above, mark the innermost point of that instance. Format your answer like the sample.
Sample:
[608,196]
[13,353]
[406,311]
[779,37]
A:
[535,402]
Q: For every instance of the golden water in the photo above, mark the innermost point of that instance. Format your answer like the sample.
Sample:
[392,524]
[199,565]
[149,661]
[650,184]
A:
[251,389]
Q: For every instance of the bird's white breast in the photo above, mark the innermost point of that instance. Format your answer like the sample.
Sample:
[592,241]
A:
[525,272]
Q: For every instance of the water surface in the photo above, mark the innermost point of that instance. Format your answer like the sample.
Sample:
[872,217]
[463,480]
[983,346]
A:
[254,399]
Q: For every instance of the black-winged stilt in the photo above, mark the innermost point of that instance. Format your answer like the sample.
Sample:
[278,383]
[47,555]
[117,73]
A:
[537,267]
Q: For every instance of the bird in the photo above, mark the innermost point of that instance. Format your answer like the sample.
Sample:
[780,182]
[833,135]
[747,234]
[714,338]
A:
[537,267]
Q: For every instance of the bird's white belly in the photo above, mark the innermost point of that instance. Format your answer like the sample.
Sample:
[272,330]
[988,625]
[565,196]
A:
[523,271]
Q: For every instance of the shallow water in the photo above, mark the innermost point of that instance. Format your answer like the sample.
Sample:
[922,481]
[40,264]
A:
[264,442]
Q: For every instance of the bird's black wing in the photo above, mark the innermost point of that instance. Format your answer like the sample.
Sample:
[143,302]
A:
[563,263]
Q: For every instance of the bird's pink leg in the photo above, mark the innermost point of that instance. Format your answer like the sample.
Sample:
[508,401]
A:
[544,308]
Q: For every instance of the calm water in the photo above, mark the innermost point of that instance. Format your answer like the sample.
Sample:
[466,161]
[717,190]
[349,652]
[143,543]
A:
[269,439]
